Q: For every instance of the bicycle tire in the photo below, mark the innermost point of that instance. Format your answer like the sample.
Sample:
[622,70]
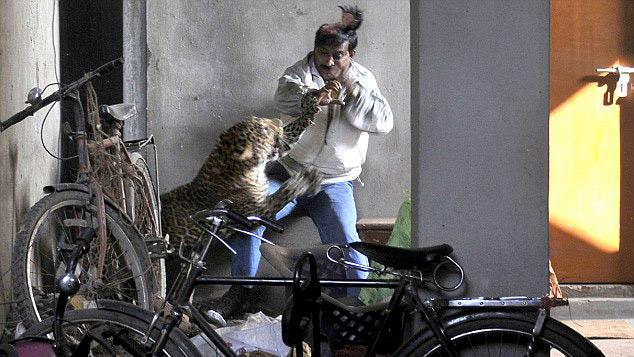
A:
[481,334]
[118,316]
[148,186]
[34,273]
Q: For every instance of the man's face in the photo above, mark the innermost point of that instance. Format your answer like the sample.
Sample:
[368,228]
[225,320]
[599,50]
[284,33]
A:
[332,61]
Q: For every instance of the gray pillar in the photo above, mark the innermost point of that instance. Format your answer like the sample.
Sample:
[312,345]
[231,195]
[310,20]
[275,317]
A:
[134,69]
[480,139]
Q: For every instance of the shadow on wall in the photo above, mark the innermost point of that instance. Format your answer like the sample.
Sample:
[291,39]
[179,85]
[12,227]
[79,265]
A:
[18,206]
[566,260]
[21,195]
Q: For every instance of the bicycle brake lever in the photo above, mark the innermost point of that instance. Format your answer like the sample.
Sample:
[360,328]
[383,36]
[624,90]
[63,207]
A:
[220,239]
[251,234]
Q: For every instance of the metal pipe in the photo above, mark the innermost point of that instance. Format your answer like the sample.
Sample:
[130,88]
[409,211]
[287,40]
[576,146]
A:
[212,280]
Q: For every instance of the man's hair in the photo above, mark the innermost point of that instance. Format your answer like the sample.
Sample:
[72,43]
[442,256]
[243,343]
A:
[341,32]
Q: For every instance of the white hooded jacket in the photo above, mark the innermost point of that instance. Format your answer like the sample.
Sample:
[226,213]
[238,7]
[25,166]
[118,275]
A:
[339,152]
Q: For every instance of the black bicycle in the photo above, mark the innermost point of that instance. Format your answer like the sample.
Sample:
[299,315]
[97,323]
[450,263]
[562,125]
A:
[405,326]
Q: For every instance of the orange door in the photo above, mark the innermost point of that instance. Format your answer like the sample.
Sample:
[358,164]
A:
[591,204]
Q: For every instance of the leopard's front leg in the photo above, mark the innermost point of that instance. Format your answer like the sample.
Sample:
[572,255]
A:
[310,103]
[307,181]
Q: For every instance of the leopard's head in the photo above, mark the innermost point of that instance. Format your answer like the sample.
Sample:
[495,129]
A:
[255,141]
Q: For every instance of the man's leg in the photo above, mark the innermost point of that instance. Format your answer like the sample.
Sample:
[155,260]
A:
[335,214]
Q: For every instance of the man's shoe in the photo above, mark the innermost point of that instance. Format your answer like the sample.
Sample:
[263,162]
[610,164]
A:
[227,305]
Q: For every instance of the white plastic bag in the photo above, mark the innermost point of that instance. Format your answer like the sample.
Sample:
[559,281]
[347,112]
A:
[257,333]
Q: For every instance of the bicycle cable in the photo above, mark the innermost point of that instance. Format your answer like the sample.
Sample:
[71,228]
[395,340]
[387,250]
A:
[42,137]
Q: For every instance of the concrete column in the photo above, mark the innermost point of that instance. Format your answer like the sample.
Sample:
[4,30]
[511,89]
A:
[480,139]
[134,69]
[28,30]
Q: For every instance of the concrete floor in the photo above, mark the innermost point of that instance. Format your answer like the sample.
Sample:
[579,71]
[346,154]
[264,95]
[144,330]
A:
[615,347]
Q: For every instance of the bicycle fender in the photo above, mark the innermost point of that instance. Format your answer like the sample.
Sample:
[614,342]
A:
[61,187]
[455,317]
[125,308]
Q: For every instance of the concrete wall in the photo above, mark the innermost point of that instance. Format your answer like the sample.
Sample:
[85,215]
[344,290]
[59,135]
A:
[480,115]
[26,61]
[213,63]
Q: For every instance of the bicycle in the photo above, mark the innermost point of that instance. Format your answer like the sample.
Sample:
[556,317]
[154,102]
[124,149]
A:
[113,193]
[451,327]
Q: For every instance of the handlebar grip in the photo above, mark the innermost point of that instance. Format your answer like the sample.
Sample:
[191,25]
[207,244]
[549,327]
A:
[16,118]
[86,237]
[268,223]
[82,245]
[240,219]
[28,111]
[109,66]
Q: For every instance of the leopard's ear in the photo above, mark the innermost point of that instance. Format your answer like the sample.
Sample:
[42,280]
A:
[278,122]
[247,153]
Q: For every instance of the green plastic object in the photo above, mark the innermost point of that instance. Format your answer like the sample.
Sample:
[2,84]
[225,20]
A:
[401,237]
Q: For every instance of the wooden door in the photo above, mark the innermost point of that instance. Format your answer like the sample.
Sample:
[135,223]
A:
[591,204]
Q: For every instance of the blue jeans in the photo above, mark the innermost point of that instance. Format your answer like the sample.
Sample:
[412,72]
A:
[334,213]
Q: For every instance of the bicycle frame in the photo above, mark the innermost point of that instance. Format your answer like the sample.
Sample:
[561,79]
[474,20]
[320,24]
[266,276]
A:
[194,277]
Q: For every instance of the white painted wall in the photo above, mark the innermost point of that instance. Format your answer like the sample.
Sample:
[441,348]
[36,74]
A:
[27,29]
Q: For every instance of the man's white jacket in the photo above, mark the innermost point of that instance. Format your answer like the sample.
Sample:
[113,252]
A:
[337,149]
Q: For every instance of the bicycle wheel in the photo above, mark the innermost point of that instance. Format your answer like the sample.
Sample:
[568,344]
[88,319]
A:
[112,326]
[57,219]
[146,211]
[502,334]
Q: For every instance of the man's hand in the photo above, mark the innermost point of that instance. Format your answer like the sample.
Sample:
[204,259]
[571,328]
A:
[329,94]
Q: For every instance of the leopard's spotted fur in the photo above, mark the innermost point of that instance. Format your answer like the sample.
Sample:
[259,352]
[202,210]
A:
[235,171]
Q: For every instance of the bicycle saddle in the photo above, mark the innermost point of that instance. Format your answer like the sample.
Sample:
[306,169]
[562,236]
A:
[422,259]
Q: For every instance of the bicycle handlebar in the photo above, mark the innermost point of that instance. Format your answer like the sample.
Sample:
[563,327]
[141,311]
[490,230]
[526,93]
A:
[59,94]
[267,223]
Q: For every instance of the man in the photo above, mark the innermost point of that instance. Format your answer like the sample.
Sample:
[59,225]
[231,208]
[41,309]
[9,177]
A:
[336,144]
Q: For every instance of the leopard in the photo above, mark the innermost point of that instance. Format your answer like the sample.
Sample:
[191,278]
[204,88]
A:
[235,171]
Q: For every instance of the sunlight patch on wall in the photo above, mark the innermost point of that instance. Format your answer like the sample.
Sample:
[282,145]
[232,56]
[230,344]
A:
[584,167]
